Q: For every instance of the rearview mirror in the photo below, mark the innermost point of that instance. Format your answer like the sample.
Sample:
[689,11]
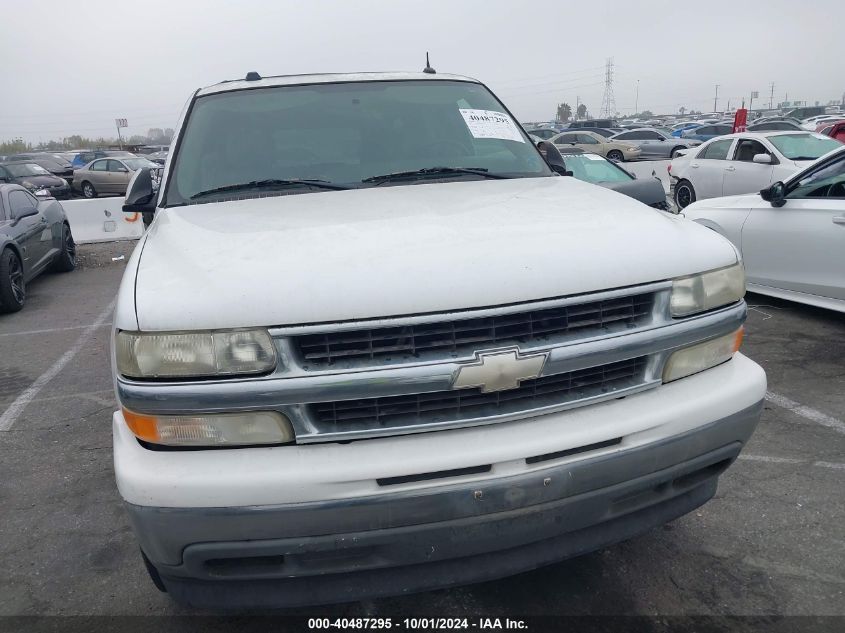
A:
[140,193]
[775,194]
[763,159]
[553,157]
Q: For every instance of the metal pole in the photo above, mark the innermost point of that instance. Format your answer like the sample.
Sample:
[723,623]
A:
[119,137]
[637,99]
[716,98]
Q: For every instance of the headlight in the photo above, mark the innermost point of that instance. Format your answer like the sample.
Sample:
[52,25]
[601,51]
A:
[223,429]
[194,354]
[29,185]
[701,356]
[699,293]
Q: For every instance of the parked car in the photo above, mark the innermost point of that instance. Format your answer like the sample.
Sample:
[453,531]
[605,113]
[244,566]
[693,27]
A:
[34,237]
[836,131]
[706,132]
[774,126]
[678,130]
[598,170]
[54,164]
[345,372]
[742,163]
[606,132]
[590,123]
[544,133]
[157,157]
[83,158]
[107,175]
[654,143]
[34,177]
[598,144]
[791,234]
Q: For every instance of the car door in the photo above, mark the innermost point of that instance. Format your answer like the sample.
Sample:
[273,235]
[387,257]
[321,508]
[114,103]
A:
[29,230]
[651,144]
[742,174]
[567,139]
[119,176]
[706,170]
[98,175]
[589,143]
[800,246]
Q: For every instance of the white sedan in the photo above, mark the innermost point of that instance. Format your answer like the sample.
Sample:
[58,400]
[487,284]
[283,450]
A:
[791,234]
[743,163]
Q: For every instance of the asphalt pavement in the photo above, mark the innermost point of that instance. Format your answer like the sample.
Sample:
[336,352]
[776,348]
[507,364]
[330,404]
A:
[770,543]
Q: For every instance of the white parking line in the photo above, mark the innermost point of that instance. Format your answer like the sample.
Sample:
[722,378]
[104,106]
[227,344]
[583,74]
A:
[54,329]
[791,461]
[806,412]
[15,409]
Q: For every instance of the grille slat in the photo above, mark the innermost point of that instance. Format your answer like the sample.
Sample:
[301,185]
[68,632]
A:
[389,343]
[346,415]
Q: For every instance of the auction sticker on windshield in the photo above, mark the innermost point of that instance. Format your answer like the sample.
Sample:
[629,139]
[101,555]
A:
[491,124]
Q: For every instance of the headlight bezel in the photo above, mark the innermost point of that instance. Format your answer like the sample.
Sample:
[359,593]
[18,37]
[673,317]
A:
[709,290]
[215,355]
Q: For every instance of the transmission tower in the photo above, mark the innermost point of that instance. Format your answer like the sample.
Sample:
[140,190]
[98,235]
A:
[608,101]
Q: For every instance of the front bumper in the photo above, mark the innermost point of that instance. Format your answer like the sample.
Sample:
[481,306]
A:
[361,542]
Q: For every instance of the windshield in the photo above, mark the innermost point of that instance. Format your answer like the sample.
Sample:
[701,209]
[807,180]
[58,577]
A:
[346,133]
[28,169]
[804,146]
[593,168]
[138,163]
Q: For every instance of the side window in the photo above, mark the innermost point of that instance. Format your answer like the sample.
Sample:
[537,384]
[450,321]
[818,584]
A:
[652,136]
[825,182]
[116,165]
[586,139]
[100,165]
[625,136]
[564,139]
[20,202]
[2,210]
[716,151]
[746,149]
[705,129]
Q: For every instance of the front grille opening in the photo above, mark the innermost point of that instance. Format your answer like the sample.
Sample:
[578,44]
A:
[701,475]
[573,451]
[441,474]
[466,335]
[462,404]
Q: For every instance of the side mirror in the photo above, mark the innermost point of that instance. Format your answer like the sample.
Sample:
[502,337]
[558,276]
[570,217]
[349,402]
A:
[775,194]
[43,194]
[553,157]
[762,159]
[140,193]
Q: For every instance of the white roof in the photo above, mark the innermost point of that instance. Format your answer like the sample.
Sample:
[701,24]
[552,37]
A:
[766,134]
[293,80]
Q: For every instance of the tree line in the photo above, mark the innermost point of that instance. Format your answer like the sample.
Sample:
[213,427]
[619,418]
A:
[154,136]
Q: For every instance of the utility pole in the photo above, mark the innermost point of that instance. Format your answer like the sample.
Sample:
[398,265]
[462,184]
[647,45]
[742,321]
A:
[716,98]
[771,95]
[637,98]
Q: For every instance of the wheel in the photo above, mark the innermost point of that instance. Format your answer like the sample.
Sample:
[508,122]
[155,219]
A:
[88,190]
[616,155]
[684,194]
[66,259]
[12,285]
[675,150]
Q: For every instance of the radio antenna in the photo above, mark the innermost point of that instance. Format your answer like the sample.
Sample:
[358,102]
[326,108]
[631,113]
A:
[428,70]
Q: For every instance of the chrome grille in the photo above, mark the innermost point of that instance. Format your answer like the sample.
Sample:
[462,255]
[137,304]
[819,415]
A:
[467,335]
[462,404]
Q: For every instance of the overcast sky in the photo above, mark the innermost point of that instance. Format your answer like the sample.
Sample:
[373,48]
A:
[73,67]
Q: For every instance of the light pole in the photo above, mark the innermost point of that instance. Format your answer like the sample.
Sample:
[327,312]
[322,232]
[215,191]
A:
[637,98]
[716,98]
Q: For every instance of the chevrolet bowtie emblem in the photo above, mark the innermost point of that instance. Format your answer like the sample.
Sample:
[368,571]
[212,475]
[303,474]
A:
[499,370]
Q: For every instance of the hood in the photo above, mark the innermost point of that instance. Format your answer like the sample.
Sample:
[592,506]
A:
[391,251]
[647,190]
[42,181]
[748,201]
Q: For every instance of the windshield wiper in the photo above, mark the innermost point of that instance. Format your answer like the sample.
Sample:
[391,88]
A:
[805,158]
[271,183]
[435,171]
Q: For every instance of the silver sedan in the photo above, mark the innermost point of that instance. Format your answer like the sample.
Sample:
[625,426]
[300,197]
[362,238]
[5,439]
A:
[655,144]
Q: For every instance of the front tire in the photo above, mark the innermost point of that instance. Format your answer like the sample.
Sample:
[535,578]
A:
[88,190]
[12,284]
[674,153]
[684,194]
[615,155]
[66,259]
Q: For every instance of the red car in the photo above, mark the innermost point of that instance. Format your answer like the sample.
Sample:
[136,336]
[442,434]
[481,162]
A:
[833,129]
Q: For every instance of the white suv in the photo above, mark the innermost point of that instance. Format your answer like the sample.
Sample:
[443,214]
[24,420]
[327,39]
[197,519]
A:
[373,343]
